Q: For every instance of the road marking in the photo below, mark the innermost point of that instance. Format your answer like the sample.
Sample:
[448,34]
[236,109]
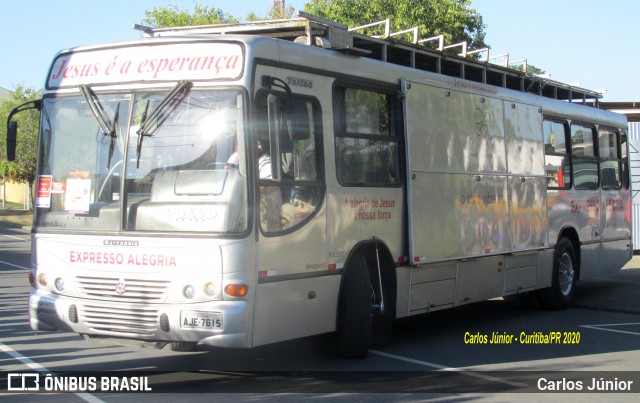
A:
[14,265]
[87,397]
[604,328]
[15,237]
[450,369]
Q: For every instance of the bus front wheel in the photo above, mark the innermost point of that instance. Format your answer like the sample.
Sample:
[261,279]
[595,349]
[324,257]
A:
[355,310]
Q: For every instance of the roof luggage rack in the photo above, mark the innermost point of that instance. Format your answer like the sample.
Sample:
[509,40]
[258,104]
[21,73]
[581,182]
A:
[467,64]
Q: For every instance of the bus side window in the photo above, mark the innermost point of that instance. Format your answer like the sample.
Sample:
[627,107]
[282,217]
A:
[624,153]
[557,156]
[610,160]
[367,148]
[585,160]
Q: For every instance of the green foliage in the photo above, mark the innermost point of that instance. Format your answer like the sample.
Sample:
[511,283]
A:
[173,16]
[23,169]
[454,19]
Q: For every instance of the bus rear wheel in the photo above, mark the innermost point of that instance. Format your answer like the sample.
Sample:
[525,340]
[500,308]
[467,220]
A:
[563,280]
[355,310]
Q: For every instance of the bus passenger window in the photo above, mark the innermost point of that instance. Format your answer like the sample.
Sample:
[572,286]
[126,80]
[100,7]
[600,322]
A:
[610,160]
[366,141]
[557,157]
[585,160]
[624,152]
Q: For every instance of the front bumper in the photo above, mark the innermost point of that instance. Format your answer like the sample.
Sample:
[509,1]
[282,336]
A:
[148,323]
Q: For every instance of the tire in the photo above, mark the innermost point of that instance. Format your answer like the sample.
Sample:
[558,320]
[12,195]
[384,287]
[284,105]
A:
[558,296]
[183,346]
[355,310]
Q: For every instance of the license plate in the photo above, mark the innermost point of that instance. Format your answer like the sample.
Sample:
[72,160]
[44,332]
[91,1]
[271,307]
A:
[200,320]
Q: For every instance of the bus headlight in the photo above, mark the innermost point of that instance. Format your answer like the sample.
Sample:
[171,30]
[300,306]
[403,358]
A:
[189,292]
[59,284]
[211,289]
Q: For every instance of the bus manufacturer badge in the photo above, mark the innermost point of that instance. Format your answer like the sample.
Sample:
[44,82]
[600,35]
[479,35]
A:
[121,288]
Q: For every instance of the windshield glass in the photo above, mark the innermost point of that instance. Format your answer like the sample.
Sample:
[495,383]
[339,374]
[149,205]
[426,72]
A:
[185,174]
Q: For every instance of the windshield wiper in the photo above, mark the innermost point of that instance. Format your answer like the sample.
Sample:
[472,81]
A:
[113,134]
[97,110]
[164,109]
[108,129]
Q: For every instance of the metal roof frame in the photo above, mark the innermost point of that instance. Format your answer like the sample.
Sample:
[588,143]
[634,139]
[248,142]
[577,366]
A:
[317,31]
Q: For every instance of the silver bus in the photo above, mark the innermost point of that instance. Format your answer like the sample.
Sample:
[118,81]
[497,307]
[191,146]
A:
[239,185]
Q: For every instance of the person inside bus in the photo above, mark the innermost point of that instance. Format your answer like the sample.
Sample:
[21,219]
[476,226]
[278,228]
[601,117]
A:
[264,160]
[270,196]
[234,160]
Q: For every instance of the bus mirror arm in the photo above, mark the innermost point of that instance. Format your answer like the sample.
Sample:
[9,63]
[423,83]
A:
[12,126]
[269,81]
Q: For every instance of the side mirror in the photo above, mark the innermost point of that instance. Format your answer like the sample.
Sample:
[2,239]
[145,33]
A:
[12,127]
[299,120]
[297,114]
[12,136]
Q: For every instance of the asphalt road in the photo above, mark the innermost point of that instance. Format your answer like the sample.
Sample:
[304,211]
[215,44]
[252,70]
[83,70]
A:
[431,357]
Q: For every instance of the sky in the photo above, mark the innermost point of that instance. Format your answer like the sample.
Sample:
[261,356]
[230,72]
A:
[589,42]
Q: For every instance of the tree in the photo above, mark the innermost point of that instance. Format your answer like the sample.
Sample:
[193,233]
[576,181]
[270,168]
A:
[452,18]
[173,16]
[275,13]
[23,169]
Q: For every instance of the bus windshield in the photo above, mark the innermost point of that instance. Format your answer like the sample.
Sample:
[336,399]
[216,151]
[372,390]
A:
[127,162]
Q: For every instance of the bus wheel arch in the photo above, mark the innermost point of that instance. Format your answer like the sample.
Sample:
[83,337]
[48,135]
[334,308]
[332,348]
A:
[572,235]
[566,270]
[366,305]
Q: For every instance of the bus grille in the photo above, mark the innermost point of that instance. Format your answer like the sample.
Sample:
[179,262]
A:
[121,321]
[121,290]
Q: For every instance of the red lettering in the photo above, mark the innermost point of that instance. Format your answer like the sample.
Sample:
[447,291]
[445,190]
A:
[55,76]
[84,72]
[142,65]
[209,60]
[219,63]
[67,72]
[112,258]
[125,67]
[111,65]
[232,62]
[172,65]
[161,66]
[184,60]
[194,63]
